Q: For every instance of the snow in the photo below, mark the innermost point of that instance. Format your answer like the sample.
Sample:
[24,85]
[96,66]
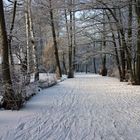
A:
[87,107]
[1,100]
[45,80]
[49,77]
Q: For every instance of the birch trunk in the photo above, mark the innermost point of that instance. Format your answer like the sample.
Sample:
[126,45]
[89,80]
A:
[34,58]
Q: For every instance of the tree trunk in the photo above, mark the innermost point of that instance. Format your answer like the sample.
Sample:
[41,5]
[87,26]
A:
[67,27]
[94,64]
[64,64]
[116,50]
[35,59]
[7,83]
[128,55]
[58,69]
[11,31]
[26,63]
[104,69]
[71,71]
[74,39]
[117,57]
[122,59]
[138,43]
[125,48]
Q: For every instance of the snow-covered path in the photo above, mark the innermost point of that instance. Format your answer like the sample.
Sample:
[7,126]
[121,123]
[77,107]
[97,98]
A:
[88,107]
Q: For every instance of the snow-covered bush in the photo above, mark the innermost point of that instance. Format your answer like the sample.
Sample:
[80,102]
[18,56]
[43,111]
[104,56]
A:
[113,72]
[47,80]
[1,100]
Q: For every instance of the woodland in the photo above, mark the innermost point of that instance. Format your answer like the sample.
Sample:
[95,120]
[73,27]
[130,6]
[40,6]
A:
[65,37]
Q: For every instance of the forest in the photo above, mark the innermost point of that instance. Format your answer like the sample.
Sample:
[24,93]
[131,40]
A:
[66,37]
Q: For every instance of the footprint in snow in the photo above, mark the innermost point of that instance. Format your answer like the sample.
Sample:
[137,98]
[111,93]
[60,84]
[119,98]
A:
[21,126]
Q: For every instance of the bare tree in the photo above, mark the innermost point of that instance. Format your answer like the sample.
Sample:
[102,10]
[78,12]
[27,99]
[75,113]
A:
[34,46]
[7,82]
[71,70]
[58,69]
[138,42]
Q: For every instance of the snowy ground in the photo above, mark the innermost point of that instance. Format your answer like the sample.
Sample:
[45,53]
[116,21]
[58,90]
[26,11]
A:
[88,107]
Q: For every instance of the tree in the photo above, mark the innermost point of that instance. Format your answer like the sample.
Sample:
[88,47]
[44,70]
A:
[58,69]
[11,30]
[7,82]
[32,39]
[138,43]
[71,70]
[104,69]
[31,58]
